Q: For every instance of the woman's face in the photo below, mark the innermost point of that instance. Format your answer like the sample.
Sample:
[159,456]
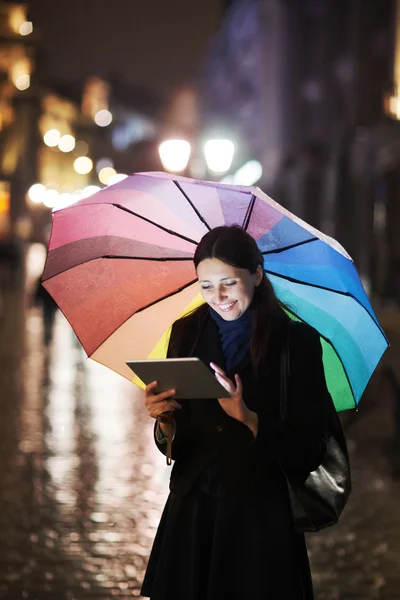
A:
[228,290]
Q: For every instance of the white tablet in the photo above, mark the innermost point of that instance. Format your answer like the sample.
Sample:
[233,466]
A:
[188,376]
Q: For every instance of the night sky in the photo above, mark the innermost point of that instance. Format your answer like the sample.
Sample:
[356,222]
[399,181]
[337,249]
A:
[154,43]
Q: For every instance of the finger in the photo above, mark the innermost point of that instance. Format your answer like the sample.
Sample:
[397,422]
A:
[239,386]
[217,369]
[163,407]
[149,388]
[226,383]
[155,398]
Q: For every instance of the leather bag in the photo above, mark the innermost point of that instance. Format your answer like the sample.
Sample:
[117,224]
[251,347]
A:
[318,501]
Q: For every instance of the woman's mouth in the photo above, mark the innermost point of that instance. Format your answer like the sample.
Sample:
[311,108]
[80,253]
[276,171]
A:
[227,306]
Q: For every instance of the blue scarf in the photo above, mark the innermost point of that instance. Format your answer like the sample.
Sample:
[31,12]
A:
[235,337]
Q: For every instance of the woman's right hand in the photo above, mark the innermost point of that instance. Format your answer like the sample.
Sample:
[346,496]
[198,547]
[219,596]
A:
[157,404]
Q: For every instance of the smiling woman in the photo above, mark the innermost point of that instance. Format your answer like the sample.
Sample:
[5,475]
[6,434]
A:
[228,290]
[229,509]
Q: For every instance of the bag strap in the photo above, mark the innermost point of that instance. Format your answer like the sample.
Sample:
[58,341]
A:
[285,373]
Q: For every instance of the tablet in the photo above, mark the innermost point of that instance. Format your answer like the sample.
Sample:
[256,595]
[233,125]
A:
[188,376]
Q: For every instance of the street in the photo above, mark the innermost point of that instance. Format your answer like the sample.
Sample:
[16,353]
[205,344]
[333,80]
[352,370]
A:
[83,485]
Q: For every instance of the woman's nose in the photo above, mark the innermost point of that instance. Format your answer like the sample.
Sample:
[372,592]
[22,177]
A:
[220,296]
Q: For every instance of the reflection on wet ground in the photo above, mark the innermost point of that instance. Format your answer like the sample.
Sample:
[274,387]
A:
[82,485]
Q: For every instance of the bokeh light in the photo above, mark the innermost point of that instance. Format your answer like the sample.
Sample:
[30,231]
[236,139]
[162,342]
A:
[36,193]
[103,118]
[66,143]
[174,155]
[102,163]
[51,138]
[105,174]
[23,81]
[117,178]
[50,198]
[26,28]
[83,165]
[219,155]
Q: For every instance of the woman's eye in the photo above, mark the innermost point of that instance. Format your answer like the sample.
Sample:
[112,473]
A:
[230,283]
[206,287]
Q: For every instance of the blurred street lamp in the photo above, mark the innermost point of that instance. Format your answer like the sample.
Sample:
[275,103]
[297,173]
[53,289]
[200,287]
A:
[83,165]
[105,174]
[26,28]
[248,174]
[22,82]
[51,138]
[219,155]
[103,118]
[174,155]
[66,143]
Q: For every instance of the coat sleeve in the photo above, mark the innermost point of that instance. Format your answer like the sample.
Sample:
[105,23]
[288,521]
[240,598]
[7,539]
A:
[300,442]
[182,438]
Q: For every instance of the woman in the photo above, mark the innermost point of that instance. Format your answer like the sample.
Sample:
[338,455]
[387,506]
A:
[226,530]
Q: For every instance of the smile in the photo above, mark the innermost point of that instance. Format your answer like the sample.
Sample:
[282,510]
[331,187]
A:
[226,307]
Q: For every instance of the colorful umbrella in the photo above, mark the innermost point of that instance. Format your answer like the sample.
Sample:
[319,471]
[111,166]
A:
[120,268]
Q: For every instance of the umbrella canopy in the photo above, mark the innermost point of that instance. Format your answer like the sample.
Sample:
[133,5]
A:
[120,268]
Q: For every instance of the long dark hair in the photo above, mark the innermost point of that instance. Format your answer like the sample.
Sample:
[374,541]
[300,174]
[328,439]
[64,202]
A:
[234,246]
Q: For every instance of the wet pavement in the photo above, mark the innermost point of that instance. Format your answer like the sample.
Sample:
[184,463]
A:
[82,485]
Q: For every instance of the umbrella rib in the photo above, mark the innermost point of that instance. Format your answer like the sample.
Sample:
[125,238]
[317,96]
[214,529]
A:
[328,341]
[183,237]
[296,245]
[144,308]
[202,219]
[161,259]
[321,287]
[247,216]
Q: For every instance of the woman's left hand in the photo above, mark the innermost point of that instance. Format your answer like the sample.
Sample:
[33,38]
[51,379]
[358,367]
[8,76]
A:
[235,406]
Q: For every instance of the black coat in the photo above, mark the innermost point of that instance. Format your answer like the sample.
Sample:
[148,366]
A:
[205,433]
[239,542]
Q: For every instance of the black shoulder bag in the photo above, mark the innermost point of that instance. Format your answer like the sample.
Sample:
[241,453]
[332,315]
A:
[318,501]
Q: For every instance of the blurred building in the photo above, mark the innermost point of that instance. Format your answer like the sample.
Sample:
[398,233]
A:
[61,141]
[17,63]
[309,89]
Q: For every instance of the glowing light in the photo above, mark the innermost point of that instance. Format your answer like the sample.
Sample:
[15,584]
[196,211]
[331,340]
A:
[50,198]
[36,193]
[103,118]
[174,155]
[83,165]
[248,174]
[26,28]
[116,178]
[66,143]
[64,200]
[219,155]
[23,81]
[90,190]
[105,174]
[51,138]
[103,163]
